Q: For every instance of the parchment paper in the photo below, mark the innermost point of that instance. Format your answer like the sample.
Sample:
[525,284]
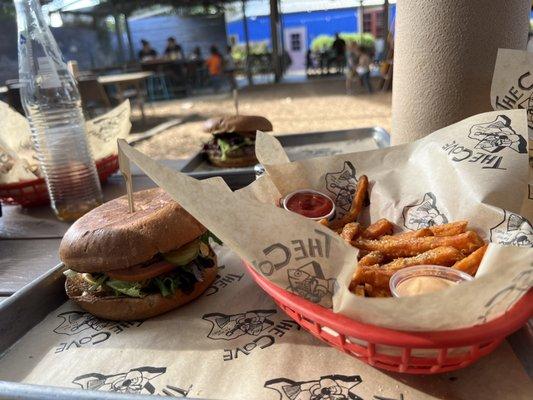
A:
[207,350]
[18,159]
[455,173]
[512,87]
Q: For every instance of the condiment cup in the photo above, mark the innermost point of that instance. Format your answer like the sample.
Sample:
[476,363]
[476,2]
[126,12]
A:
[328,216]
[436,271]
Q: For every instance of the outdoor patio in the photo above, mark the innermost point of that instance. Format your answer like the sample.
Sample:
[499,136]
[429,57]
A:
[292,108]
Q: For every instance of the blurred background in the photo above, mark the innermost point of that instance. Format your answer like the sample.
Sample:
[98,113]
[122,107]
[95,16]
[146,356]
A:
[283,56]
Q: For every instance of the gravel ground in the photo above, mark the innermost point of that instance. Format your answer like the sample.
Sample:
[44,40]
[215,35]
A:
[318,105]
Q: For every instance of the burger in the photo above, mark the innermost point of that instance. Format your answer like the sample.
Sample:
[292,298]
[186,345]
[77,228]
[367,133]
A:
[233,142]
[132,266]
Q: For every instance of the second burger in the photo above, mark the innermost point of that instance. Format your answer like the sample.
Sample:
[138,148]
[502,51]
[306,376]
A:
[233,142]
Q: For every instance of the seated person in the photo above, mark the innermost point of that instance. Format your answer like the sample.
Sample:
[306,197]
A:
[147,53]
[196,54]
[173,50]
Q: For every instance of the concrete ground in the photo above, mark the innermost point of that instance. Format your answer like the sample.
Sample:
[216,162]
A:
[314,105]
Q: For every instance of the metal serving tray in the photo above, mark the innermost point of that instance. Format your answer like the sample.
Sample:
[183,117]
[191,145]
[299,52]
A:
[20,313]
[298,147]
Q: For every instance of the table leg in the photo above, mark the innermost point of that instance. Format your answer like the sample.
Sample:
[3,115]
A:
[140,99]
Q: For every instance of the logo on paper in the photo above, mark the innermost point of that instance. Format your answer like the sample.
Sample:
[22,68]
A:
[497,135]
[228,327]
[342,185]
[423,214]
[488,142]
[223,280]
[309,282]
[135,381]
[502,301]
[250,331]
[514,230]
[329,387]
[83,329]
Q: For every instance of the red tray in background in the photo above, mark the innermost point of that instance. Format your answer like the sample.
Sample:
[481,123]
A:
[399,351]
[34,193]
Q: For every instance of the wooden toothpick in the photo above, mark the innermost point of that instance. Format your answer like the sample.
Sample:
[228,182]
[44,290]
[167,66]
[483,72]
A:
[236,101]
[124,165]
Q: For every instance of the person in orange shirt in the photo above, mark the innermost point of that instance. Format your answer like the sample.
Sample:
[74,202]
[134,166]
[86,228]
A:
[214,66]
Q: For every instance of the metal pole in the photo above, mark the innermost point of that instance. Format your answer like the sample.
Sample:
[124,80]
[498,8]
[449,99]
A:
[130,40]
[274,36]
[120,44]
[247,40]
[385,26]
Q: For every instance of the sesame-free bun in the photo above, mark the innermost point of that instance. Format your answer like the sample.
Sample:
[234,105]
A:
[109,237]
[246,124]
[233,162]
[132,308]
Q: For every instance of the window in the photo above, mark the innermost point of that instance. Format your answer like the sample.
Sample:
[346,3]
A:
[296,42]
[373,22]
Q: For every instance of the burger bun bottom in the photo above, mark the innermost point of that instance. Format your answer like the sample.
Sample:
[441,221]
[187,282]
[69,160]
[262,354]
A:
[131,308]
[233,162]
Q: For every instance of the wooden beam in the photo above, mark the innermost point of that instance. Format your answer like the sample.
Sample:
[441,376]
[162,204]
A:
[275,39]
[130,40]
[247,41]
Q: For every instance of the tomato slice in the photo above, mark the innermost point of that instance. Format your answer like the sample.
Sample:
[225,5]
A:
[139,273]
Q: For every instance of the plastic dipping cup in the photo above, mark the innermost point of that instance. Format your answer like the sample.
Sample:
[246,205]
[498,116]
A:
[423,279]
[328,215]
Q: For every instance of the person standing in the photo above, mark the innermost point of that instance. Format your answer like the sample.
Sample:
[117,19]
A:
[214,67]
[339,50]
[363,68]
[352,60]
[173,50]
[146,52]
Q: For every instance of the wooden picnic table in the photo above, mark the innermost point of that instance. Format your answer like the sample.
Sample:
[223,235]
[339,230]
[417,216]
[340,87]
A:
[126,80]
[29,242]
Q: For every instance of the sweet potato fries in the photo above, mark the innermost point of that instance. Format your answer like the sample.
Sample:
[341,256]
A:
[382,253]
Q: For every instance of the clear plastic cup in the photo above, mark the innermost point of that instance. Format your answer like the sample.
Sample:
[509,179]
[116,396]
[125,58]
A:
[435,277]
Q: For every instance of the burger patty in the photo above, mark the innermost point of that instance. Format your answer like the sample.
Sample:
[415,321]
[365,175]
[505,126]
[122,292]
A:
[102,286]
[230,145]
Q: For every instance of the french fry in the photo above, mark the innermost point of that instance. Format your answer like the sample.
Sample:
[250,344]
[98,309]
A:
[445,256]
[378,292]
[324,221]
[359,290]
[372,258]
[351,231]
[394,247]
[378,229]
[374,275]
[451,229]
[471,263]
[412,234]
[357,204]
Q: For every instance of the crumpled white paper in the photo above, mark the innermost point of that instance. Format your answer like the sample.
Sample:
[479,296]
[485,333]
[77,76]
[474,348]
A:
[18,159]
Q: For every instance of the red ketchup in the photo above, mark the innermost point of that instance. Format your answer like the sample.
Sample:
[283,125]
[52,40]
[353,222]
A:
[309,204]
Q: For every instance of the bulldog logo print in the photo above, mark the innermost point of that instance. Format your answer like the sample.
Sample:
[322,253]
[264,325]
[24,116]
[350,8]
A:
[229,327]
[309,282]
[496,135]
[136,380]
[514,230]
[74,322]
[329,387]
[342,186]
[423,214]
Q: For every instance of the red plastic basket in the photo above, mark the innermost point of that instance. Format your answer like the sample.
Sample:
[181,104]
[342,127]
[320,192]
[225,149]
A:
[399,351]
[34,193]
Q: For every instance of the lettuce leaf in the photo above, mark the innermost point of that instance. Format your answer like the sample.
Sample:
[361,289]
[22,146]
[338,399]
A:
[226,148]
[132,289]
[205,238]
